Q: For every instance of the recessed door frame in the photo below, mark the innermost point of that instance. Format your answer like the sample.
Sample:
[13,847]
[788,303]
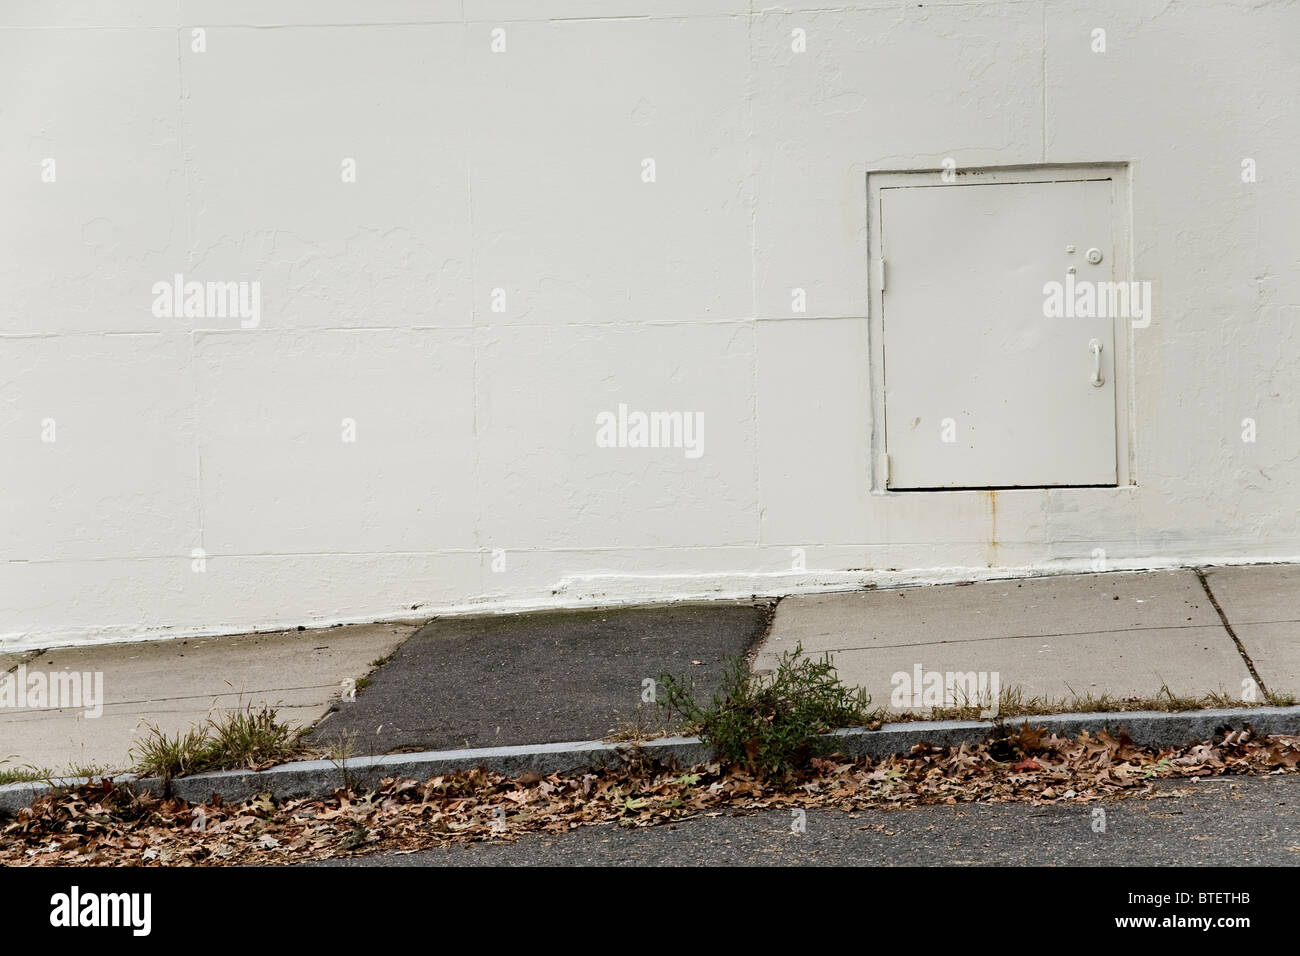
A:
[1121,219]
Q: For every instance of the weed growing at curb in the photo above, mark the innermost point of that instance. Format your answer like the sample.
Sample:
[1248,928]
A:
[1012,703]
[165,756]
[340,752]
[250,739]
[23,774]
[646,723]
[767,723]
[27,773]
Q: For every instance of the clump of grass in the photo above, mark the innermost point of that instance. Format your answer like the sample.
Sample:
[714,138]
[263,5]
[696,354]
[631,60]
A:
[250,738]
[28,773]
[646,723]
[161,755]
[340,751]
[768,723]
[22,774]
[1012,702]
[87,771]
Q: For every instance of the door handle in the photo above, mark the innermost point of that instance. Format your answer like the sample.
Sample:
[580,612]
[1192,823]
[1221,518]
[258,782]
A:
[1094,346]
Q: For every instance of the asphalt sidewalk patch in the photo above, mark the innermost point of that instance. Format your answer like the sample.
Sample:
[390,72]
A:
[531,678]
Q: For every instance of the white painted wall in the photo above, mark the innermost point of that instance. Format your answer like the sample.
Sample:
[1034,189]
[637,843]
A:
[522,171]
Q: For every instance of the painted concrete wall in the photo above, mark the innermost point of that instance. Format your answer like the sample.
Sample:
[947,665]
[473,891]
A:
[523,170]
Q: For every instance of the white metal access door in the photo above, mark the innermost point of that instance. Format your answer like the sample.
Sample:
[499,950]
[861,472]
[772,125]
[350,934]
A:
[983,388]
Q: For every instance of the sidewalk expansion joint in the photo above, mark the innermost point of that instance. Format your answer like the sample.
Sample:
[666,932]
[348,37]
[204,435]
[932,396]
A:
[1227,626]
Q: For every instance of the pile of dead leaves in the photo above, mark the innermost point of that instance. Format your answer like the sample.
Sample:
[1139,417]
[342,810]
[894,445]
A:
[108,825]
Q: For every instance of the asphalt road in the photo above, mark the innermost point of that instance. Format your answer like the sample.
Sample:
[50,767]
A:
[535,678]
[1230,821]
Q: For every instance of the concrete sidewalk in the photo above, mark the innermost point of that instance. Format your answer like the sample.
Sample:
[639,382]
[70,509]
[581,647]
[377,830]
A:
[1127,635]
[176,684]
[576,675]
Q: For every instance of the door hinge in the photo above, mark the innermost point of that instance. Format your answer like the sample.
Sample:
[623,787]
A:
[889,470]
[880,272]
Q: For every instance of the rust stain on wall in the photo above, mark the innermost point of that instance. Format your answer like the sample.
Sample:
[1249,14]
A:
[993,528]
